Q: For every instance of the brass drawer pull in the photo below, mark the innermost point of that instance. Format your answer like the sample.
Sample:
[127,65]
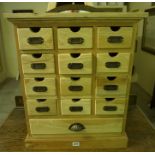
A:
[42,109]
[76,109]
[40,89]
[77,40]
[110,87]
[113,64]
[35,40]
[76,127]
[75,65]
[115,39]
[109,108]
[75,88]
[38,66]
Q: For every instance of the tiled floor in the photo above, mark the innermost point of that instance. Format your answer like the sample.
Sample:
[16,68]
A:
[8,90]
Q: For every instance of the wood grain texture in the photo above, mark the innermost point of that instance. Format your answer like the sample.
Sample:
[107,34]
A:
[117,102]
[84,82]
[103,33]
[83,58]
[61,126]
[25,33]
[30,83]
[28,59]
[32,104]
[76,102]
[65,33]
[121,82]
[122,58]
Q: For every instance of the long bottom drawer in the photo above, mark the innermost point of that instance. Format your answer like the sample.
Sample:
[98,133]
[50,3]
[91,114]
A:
[75,126]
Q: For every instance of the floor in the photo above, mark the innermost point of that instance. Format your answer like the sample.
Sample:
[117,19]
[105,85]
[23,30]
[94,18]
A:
[143,103]
[8,90]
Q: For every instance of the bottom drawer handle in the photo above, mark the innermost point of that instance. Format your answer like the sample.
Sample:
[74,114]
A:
[109,108]
[110,87]
[76,109]
[40,89]
[42,109]
[76,127]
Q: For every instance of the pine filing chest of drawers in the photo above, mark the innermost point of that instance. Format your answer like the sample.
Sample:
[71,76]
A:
[76,70]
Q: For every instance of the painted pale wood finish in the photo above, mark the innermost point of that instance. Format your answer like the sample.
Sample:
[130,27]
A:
[65,33]
[61,126]
[76,102]
[33,104]
[103,33]
[29,59]
[117,102]
[122,58]
[84,58]
[49,83]
[84,82]
[121,82]
[25,33]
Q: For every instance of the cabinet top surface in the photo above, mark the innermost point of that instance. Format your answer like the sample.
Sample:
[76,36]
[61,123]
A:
[50,16]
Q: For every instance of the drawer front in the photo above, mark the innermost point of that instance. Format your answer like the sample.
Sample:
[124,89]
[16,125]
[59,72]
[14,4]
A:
[41,106]
[35,38]
[78,126]
[113,62]
[38,63]
[75,86]
[75,63]
[75,37]
[110,106]
[112,85]
[40,86]
[114,37]
[76,106]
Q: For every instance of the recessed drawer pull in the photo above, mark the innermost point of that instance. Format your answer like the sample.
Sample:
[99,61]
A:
[115,39]
[77,40]
[110,87]
[41,100]
[75,88]
[109,99]
[40,89]
[109,108]
[76,109]
[35,40]
[38,66]
[42,109]
[76,127]
[113,64]
[75,65]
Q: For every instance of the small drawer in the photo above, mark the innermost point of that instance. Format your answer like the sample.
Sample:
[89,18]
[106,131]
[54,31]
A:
[75,86]
[39,86]
[35,38]
[114,37]
[110,106]
[72,126]
[38,63]
[76,106]
[112,85]
[74,37]
[113,62]
[41,106]
[75,63]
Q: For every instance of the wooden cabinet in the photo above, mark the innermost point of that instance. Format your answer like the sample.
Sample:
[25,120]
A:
[76,72]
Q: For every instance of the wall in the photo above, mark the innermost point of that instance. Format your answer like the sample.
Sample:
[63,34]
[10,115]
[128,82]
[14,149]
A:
[2,62]
[8,33]
[144,62]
